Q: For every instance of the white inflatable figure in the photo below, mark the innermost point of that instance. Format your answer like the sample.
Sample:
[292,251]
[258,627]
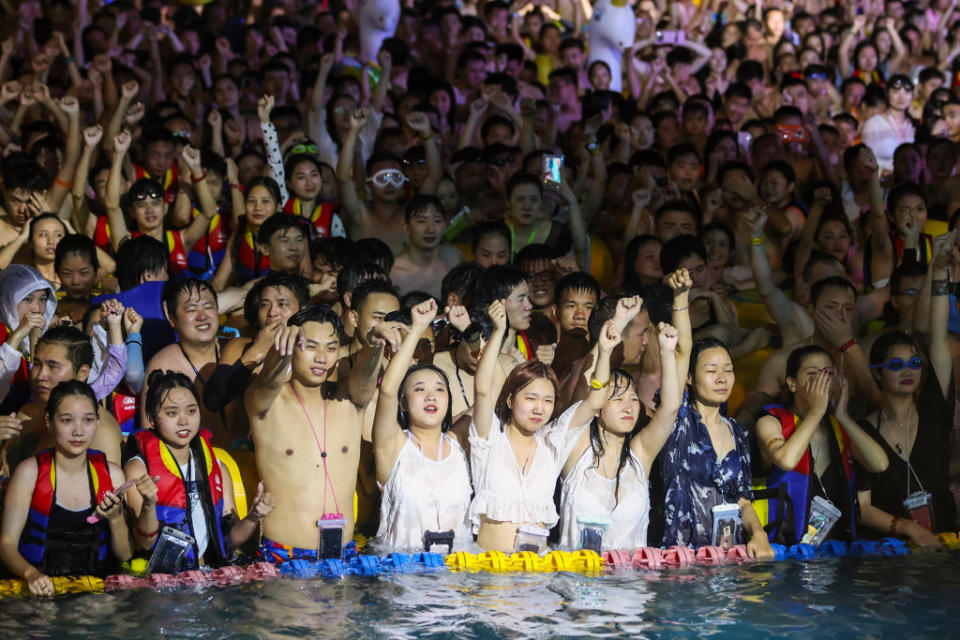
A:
[378,21]
[612,29]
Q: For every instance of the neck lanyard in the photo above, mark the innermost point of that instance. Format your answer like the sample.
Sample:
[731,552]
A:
[456,368]
[513,251]
[216,347]
[323,449]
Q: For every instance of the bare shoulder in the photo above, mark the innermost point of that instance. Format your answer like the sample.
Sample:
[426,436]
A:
[234,349]
[450,255]
[167,358]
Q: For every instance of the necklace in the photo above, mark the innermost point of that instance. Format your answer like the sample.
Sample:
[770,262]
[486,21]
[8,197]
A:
[903,430]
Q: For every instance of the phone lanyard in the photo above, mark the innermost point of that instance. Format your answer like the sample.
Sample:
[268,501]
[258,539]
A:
[456,368]
[323,449]
[529,240]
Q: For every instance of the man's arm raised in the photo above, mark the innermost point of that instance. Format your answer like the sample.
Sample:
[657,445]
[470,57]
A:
[265,387]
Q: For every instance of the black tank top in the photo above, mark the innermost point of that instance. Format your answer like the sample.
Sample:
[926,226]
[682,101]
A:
[73,544]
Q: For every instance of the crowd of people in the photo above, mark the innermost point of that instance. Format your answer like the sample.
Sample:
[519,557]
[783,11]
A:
[452,291]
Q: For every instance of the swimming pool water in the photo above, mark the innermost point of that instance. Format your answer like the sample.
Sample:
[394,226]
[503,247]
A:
[914,596]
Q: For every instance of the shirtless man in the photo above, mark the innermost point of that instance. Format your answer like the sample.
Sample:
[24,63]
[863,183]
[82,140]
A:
[306,434]
[62,353]
[426,259]
[383,218]
[191,309]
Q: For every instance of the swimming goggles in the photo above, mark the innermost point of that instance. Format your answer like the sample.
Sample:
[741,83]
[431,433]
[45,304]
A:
[150,192]
[304,148]
[901,83]
[386,177]
[897,364]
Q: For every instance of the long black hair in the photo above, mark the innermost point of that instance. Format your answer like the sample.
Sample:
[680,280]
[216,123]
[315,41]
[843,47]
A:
[403,418]
[159,384]
[621,382]
[66,389]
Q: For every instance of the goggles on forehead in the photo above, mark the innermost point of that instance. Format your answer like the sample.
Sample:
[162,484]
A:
[147,193]
[304,148]
[386,177]
[897,364]
[901,83]
[817,75]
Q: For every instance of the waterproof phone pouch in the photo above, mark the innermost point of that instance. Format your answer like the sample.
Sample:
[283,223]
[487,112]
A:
[823,515]
[920,507]
[591,532]
[438,541]
[726,525]
[330,530]
[531,539]
[168,552]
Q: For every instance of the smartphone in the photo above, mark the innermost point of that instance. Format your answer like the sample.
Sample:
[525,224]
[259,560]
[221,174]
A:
[744,139]
[552,169]
[671,37]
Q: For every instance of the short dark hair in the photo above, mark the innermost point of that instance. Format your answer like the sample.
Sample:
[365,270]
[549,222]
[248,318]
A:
[374,250]
[421,202]
[798,355]
[497,282]
[159,384]
[26,175]
[678,249]
[368,288]
[280,222]
[576,281]
[77,344]
[173,288]
[354,274]
[296,284]
[76,244]
[901,191]
[677,205]
[520,178]
[460,280]
[487,228]
[337,251]
[832,282]
[319,313]
[139,256]
[536,252]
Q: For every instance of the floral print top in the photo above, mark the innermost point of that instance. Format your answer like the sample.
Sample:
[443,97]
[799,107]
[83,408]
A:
[695,481]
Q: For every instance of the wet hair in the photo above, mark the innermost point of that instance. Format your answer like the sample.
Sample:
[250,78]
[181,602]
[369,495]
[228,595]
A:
[699,346]
[900,192]
[884,344]
[355,273]
[577,281]
[159,385]
[518,379]
[678,249]
[421,202]
[496,283]
[460,280]
[69,388]
[604,311]
[721,227]
[297,159]
[630,280]
[782,167]
[296,284]
[337,251]
[76,244]
[832,282]
[24,175]
[375,250]
[817,257]
[139,256]
[403,418]
[280,222]
[677,206]
[368,288]
[172,290]
[490,228]
[319,313]
[798,355]
[45,216]
[267,183]
[620,384]
[77,344]
[521,178]
[533,253]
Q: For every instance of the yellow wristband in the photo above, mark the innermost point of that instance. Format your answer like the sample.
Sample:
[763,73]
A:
[757,241]
[596,384]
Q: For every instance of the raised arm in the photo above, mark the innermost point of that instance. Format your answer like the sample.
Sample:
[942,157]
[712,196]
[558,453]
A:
[477,110]
[208,206]
[484,393]
[266,386]
[655,434]
[352,206]
[939,274]
[386,70]
[81,212]
[388,437]
[64,180]
[681,283]
[118,226]
[610,337]
[128,92]
[418,122]
[272,145]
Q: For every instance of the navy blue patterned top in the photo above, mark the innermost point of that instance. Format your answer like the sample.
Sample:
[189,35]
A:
[695,481]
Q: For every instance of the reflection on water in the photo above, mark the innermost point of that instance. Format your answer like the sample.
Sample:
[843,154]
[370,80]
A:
[914,596]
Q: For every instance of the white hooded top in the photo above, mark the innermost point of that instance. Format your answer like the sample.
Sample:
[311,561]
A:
[17,282]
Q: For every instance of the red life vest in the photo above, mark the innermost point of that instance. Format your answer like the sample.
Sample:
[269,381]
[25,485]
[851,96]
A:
[172,491]
[208,251]
[250,262]
[321,219]
[178,253]
[33,540]
[20,385]
[101,234]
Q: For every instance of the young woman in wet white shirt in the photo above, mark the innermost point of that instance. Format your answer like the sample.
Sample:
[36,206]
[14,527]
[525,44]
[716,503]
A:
[517,449]
[421,466]
[606,476]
